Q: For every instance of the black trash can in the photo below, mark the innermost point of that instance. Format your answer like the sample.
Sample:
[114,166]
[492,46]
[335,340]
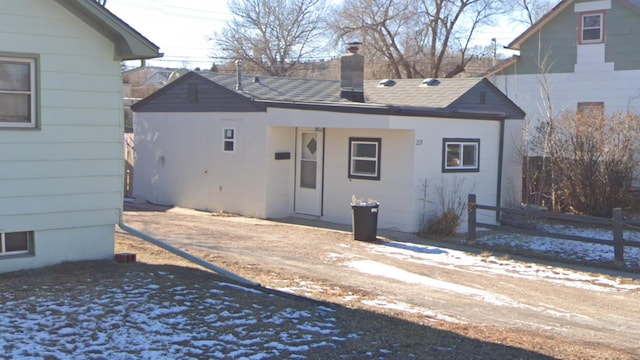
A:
[365,221]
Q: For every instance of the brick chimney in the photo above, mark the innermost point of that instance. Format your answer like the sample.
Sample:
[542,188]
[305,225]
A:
[352,74]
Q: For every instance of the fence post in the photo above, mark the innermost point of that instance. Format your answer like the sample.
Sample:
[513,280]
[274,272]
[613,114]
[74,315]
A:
[471,219]
[618,238]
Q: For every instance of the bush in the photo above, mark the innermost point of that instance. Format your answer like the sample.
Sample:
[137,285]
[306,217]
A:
[594,158]
[445,224]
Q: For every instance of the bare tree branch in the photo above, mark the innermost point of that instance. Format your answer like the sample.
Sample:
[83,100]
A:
[273,35]
[415,38]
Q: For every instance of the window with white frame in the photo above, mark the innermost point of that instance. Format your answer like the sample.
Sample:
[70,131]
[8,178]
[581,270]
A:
[17,92]
[12,243]
[364,158]
[461,155]
[592,28]
[229,140]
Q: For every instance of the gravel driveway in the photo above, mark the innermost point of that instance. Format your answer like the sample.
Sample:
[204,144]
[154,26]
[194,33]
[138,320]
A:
[406,276]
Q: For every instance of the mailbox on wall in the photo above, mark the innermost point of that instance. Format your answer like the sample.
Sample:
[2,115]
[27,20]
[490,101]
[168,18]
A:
[283,155]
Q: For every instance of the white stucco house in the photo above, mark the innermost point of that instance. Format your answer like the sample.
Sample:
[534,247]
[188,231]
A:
[61,129]
[271,147]
[582,54]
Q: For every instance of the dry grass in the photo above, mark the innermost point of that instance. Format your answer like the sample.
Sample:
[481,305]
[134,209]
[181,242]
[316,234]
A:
[422,337]
[388,335]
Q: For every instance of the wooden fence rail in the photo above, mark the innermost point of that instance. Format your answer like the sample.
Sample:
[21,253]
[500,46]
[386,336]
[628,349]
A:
[617,224]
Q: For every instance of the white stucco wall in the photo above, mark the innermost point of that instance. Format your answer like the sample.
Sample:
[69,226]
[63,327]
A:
[280,173]
[180,161]
[429,156]
[619,90]
[393,190]
[411,153]
[64,181]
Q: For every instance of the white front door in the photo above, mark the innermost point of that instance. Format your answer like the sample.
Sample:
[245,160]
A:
[309,157]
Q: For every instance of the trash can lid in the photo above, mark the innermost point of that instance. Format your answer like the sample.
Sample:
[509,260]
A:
[366,204]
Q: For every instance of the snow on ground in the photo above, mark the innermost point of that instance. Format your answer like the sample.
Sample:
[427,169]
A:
[453,259]
[141,320]
[463,261]
[571,250]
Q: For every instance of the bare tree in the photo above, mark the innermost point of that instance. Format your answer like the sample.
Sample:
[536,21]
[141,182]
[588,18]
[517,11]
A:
[595,157]
[530,11]
[416,38]
[452,24]
[390,30]
[272,35]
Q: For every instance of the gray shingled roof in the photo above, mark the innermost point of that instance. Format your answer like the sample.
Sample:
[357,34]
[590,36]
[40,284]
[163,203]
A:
[412,92]
[405,92]
[281,89]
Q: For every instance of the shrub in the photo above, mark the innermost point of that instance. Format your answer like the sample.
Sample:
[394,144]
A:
[446,224]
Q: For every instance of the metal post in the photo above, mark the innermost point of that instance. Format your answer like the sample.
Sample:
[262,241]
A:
[618,238]
[471,219]
[205,264]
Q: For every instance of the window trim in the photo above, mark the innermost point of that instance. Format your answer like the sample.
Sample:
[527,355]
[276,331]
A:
[581,29]
[590,105]
[30,247]
[462,141]
[34,82]
[378,159]
[231,140]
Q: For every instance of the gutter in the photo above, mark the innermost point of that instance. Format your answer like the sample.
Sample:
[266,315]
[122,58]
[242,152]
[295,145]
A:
[186,255]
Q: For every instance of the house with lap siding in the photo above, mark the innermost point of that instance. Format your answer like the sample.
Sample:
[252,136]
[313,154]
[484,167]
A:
[61,129]
[582,54]
[271,147]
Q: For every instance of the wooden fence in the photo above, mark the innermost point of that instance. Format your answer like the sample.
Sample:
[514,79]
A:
[521,217]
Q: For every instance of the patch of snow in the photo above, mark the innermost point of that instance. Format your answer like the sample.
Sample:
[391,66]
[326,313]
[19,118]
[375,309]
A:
[462,261]
[116,324]
[380,269]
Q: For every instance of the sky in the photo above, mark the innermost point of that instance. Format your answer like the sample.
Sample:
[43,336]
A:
[181,28]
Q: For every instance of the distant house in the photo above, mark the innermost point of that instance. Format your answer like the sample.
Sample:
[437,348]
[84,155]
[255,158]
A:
[61,129]
[272,147]
[580,55]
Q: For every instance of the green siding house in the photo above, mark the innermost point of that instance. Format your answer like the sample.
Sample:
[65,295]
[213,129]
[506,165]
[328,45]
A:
[580,54]
[61,129]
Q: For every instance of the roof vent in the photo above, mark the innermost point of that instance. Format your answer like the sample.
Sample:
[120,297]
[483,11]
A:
[386,83]
[430,82]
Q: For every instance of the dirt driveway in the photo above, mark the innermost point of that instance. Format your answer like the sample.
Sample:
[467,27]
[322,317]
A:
[405,276]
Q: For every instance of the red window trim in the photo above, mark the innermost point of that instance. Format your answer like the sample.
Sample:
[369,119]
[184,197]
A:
[602,27]
[595,108]
[590,105]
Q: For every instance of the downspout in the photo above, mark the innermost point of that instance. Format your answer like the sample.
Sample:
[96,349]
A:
[186,255]
[500,157]
[324,141]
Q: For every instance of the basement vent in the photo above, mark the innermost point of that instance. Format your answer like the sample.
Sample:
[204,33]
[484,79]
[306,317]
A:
[386,83]
[430,82]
